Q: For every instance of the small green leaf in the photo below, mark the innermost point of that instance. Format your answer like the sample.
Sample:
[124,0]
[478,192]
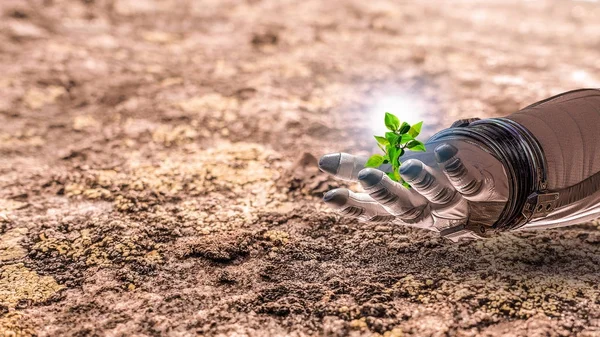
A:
[405,138]
[392,138]
[391,122]
[415,129]
[404,128]
[375,161]
[395,156]
[390,150]
[382,140]
[392,155]
[416,145]
[401,136]
[392,176]
[397,175]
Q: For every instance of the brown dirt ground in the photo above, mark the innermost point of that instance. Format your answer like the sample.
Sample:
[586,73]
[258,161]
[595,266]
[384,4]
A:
[157,169]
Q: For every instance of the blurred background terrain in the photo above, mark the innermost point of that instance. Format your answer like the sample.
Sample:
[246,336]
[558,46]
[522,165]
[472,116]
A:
[158,167]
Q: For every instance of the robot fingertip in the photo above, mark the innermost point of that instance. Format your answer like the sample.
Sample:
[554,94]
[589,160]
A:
[330,163]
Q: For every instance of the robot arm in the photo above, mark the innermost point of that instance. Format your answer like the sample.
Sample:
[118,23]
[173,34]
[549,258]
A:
[567,129]
[537,168]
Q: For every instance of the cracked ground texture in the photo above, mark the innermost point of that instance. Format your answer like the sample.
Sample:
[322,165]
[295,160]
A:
[158,167]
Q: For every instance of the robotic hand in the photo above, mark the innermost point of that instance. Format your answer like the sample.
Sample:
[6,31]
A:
[458,189]
[484,176]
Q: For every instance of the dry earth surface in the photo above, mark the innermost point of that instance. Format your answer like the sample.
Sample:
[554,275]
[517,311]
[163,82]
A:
[158,167]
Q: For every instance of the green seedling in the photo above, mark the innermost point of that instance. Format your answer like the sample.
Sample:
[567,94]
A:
[401,137]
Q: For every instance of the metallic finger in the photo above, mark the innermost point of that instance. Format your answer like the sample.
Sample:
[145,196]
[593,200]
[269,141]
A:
[466,179]
[345,166]
[473,172]
[357,205]
[394,197]
[419,176]
[446,202]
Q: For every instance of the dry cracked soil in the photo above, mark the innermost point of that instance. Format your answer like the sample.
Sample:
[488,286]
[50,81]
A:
[158,167]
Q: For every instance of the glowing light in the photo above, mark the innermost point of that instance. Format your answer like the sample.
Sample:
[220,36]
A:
[580,75]
[584,78]
[408,108]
